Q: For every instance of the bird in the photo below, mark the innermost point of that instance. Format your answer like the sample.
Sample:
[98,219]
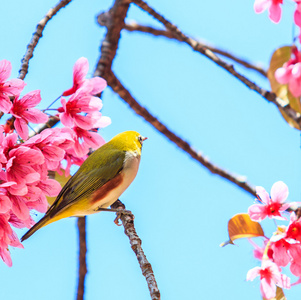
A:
[99,181]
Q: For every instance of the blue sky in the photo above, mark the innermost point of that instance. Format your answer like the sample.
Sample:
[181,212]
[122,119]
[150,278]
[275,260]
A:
[181,210]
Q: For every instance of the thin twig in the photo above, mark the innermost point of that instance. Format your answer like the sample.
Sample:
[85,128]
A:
[281,104]
[52,121]
[82,269]
[169,34]
[118,88]
[135,241]
[37,35]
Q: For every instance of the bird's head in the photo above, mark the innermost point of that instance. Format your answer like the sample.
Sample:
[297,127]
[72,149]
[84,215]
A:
[129,141]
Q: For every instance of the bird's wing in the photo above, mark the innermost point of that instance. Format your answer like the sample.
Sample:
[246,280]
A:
[83,184]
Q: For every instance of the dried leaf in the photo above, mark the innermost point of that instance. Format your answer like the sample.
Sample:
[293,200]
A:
[241,226]
[62,179]
[279,295]
[279,57]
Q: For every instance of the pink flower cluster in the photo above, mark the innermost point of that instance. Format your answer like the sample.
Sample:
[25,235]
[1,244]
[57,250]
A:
[274,8]
[290,73]
[25,162]
[283,248]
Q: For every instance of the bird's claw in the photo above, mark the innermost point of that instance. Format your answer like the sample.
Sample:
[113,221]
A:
[119,213]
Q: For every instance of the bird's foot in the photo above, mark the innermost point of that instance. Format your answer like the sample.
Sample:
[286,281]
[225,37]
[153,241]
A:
[120,212]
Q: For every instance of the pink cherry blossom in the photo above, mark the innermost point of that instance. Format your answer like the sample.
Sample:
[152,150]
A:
[271,206]
[20,166]
[272,5]
[24,112]
[86,139]
[71,159]
[8,88]
[290,73]
[295,252]
[270,276]
[294,228]
[7,238]
[80,102]
[52,143]
[297,16]
[80,70]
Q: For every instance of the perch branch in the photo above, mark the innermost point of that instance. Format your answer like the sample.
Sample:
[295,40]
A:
[113,20]
[169,34]
[281,104]
[124,94]
[37,35]
[82,269]
[146,268]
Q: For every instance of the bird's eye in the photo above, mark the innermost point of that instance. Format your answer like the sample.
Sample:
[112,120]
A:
[141,139]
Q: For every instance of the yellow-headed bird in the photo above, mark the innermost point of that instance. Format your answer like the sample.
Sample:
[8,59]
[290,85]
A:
[99,182]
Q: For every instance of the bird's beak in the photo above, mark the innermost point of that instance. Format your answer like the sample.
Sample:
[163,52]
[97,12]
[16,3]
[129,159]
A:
[144,138]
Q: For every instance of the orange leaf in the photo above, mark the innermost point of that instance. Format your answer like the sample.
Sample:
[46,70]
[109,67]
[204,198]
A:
[241,226]
[279,57]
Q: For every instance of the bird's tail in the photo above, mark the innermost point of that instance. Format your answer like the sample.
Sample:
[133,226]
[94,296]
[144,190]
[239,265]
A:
[44,221]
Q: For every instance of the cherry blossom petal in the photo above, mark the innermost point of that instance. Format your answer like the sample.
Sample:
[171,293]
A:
[84,122]
[50,187]
[279,192]
[275,12]
[93,140]
[5,255]
[66,120]
[267,289]
[14,87]
[253,273]
[99,84]
[257,212]
[35,116]
[282,75]
[52,152]
[80,69]
[19,208]
[102,122]
[5,104]
[31,99]
[5,70]
[21,128]
[5,204]
[263,194]
[40,205]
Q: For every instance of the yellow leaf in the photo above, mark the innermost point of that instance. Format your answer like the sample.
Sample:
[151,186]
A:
[241,226]
[279,57]
[62,179]
[279,295]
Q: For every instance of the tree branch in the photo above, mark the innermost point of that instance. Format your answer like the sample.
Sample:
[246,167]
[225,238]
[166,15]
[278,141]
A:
[124,94]
[82,269]
[281,104]
[37,35]
[135,241]
[169,34]
[113,20]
